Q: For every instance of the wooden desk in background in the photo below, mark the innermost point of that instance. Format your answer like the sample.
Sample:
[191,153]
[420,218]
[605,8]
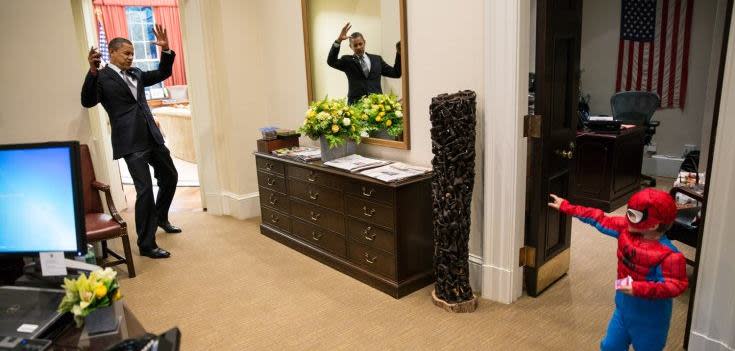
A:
[608,168]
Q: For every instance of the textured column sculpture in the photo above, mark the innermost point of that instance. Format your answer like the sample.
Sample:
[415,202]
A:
[453,122]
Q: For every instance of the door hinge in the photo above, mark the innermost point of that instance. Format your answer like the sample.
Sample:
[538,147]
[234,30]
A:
[527,257]
[532,126]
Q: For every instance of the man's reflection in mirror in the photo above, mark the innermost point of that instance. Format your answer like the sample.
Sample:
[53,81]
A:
[363,70]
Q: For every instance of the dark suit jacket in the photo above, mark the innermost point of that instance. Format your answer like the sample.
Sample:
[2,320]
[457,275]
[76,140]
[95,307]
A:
[358,85]
[133,127]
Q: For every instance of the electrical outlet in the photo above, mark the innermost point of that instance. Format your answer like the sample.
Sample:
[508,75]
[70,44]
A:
[689,148]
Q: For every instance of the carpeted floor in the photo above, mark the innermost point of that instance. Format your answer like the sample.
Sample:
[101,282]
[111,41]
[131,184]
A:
[227,287]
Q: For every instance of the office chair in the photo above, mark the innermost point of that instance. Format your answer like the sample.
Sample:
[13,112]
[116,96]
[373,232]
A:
[637,108]
[100,225]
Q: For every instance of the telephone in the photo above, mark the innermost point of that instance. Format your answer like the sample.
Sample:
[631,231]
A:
[168,341]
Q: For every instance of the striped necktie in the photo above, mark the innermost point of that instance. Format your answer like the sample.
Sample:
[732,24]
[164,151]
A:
[365,69]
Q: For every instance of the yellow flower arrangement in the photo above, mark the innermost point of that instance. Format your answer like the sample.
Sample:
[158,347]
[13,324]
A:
[334,120]
[86,294]
[382,112]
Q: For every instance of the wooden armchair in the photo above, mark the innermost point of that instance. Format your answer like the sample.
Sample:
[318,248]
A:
[101,226]
[686,226]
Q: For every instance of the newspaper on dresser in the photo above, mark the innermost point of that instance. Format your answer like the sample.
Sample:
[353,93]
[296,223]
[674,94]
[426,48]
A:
[395,172]
[355,163]
[301,153]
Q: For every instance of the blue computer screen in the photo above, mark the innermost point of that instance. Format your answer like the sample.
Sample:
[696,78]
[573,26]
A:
[37,200]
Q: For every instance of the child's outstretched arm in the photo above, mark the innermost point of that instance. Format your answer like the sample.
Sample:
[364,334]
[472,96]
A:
[609,225]
[674,271]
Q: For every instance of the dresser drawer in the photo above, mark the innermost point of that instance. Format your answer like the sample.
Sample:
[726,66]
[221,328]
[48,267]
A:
[370,212]
[272,182]
[267,165]
[370,235]
[275,219]
[325,239]
[321,217]
[371,259]
[274,200]
[370,191]
[316,194]
[315,177]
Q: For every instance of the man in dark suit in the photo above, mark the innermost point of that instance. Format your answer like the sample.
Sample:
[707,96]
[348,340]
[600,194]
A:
[135,134]
[363,70]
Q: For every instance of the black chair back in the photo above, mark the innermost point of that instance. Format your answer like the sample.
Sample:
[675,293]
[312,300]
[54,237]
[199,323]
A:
[634,107]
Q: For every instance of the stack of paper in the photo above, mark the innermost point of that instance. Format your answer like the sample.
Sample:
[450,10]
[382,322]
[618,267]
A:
[355,163]
[395,172]
[300,153]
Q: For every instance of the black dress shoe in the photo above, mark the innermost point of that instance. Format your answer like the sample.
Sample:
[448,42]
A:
[155,253]
[169,228]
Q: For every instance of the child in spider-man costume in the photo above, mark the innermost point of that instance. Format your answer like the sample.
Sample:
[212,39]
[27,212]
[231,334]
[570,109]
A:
[658,270]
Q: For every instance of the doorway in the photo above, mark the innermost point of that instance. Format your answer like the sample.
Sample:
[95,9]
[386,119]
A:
[687,120]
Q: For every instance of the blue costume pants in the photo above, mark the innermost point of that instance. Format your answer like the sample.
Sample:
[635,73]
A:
[638,321]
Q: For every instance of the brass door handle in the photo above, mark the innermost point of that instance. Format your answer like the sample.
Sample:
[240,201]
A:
[316,236]
[272,199]
[366,212]
[268,166]
[274,218]
[370,260]
[368,193]
[271,181]
[315,216]
[313,195]
[568,154]
[311,177]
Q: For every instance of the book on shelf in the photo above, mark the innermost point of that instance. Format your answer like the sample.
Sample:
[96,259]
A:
[395,172]
[355,163]
[301,153]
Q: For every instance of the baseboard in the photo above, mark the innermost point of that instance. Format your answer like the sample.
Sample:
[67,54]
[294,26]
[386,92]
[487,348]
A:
[476,273]
[240,206]
[497,283]
[699,341]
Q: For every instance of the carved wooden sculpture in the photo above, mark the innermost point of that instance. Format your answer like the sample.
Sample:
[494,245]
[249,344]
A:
[453,144]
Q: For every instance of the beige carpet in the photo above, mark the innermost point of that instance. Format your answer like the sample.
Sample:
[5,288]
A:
[227,287]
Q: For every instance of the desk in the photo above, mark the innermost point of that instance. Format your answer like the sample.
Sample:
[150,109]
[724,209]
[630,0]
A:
[608,169]
[72,339]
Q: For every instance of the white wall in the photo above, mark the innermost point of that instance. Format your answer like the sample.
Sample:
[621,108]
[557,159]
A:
[600,35]
[42,72]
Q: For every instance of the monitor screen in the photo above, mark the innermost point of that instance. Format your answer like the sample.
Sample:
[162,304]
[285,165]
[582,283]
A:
[41,206]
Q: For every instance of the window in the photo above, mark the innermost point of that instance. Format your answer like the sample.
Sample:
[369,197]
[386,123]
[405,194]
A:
[140,30]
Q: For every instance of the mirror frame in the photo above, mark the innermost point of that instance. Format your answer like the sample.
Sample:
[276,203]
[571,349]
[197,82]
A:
[402,144]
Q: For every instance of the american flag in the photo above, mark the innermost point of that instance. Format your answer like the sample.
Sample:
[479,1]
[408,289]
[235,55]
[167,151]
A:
[654,48]
[102,42]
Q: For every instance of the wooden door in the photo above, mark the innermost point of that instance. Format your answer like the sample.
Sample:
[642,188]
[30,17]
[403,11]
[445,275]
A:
[551,149]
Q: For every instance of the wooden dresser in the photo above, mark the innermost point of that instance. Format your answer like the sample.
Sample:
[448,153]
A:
[376,232]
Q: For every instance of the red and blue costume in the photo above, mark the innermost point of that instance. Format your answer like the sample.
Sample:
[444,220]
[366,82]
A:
[658,270]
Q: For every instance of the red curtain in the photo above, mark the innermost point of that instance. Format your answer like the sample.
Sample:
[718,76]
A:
[113,18]
[166,13]
[168,17]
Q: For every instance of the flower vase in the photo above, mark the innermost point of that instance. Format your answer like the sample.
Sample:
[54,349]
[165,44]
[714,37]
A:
[100,321]
[348,148]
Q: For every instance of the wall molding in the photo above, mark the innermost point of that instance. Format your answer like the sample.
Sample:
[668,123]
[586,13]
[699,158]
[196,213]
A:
[698,341]
[506,102]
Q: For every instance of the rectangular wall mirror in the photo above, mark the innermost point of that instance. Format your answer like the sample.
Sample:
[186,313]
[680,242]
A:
[382,24]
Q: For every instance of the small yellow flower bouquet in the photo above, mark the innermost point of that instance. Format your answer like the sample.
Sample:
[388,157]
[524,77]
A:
[86,294]
[334,120]
[382,112]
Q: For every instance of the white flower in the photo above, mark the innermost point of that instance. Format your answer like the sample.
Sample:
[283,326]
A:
[346,122]
[399,114]
[323,116]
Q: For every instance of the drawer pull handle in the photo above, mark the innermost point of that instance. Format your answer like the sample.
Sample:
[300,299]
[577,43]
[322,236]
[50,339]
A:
[311,177]
[274,218]
[370,260]
[369,237]
[272,199]
[367,213]
[316,236]
[313,195]
[271,181]
[268,166]
[315,216]
[368,193]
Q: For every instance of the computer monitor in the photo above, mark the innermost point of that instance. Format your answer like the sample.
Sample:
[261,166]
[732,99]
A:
[41,199]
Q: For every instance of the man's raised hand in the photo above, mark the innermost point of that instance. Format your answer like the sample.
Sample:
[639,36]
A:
[161,37]
[343,34]
[94,58]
